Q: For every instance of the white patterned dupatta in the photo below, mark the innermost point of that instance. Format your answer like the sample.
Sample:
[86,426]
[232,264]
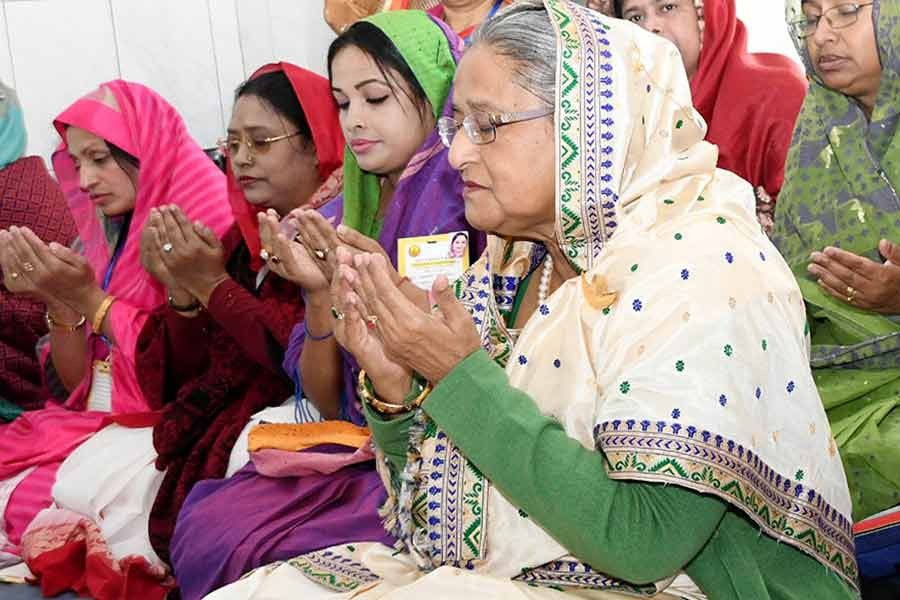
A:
[697,373]
[679,353]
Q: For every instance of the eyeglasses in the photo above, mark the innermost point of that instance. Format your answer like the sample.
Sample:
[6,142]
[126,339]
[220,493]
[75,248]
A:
[838,17]
[481,127]
[231,145]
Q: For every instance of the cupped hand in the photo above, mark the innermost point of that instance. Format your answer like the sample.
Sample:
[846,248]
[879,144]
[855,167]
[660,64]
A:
[289,258]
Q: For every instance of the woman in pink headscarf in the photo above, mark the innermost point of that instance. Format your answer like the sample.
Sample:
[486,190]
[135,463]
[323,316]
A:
[125,151]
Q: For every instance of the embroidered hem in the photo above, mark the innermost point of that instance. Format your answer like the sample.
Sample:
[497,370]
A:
[703,461]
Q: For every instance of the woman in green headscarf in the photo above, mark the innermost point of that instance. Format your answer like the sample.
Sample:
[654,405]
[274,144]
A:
[838,227]
[29,197]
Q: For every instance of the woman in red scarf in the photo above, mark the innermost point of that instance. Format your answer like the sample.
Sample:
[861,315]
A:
[29,197]
[212,357]
[750,101]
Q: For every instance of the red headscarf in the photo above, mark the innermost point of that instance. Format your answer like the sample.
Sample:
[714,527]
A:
[314,94]
[750,101]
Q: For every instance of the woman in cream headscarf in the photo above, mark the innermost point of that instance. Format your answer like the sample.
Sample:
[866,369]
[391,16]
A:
[633,327]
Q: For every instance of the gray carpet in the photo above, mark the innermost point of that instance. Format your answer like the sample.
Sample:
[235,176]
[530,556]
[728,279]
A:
[26,592]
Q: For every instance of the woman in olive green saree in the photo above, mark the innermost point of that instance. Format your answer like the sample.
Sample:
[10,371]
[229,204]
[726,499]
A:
[838,226]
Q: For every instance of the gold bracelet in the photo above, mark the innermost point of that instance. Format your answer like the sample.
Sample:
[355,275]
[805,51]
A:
[388,408]
[54,324]
[101,313]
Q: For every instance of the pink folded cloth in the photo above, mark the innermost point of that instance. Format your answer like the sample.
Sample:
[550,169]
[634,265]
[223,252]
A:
[325,459]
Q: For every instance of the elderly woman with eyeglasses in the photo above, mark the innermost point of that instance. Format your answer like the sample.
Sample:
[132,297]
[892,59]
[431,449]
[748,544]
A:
[616,398]
[838,226]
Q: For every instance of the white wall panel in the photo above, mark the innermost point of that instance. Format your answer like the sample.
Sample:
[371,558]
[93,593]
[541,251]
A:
[300,34]
[766,28]
[228,52]
[6,67]
[255,26]
[61,50]
[167,45]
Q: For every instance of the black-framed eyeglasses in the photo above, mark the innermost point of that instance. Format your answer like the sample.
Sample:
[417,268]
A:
[838,17]
[481,127]
[231,145]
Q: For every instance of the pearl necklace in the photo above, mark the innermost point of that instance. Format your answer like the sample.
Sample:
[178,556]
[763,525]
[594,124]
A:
[546,274]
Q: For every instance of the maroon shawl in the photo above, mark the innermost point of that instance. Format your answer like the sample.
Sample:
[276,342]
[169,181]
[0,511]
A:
[29,197]
[210,374]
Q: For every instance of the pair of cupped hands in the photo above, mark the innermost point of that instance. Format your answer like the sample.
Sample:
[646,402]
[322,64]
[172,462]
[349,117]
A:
[390,326]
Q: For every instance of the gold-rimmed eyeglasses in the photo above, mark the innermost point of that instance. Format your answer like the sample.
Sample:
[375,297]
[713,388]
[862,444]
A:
[481,127]
[837,17]
[231,145]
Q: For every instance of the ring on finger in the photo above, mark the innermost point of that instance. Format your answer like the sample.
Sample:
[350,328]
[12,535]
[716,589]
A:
[13,275]
[851,294]
[321,253]
[274,259]
[27,267]
[167,247]
[371,321]
[265,254]
[338,315]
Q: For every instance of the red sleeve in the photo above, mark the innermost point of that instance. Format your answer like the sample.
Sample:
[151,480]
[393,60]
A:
[161,357]
[262,325]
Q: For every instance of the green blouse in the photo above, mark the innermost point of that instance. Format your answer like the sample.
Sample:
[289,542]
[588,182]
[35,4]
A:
[633,531]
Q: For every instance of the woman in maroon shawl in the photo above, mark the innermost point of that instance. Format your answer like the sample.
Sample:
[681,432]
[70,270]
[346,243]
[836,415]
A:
[750,101]
[29,197]
[212,357]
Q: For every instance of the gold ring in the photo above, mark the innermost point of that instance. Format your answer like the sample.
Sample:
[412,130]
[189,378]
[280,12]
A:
[851,294]
[274,258]
[321,254]
[338,315]
[28,267]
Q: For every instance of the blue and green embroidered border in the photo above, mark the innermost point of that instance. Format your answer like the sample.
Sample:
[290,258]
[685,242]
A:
[704,461]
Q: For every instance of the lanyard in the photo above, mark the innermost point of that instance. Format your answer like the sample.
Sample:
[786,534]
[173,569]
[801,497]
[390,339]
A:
[107,277]
[120,244]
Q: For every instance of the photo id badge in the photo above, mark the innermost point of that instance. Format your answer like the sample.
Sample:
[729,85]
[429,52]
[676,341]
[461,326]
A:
[423,259]
[100,398]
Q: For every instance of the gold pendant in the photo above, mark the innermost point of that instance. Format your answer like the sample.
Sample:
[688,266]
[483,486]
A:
[595,292]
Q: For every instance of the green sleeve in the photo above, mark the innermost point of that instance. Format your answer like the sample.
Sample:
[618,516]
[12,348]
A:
[637,532]
[390,435]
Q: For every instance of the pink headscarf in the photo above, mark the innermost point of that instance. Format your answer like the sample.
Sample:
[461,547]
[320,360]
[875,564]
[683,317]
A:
[173,170]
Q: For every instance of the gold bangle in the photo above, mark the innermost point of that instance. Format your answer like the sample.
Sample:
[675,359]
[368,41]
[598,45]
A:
[388,408]
[54,324]
[101,313]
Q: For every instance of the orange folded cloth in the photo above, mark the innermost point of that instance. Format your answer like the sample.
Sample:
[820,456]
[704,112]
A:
[296,437]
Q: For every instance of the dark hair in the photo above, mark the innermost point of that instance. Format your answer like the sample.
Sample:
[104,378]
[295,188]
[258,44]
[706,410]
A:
[122,158]
[374,42]
[617,8]
[462,234]
[275,89]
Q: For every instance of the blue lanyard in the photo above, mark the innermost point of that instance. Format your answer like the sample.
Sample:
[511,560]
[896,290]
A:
[120,244]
